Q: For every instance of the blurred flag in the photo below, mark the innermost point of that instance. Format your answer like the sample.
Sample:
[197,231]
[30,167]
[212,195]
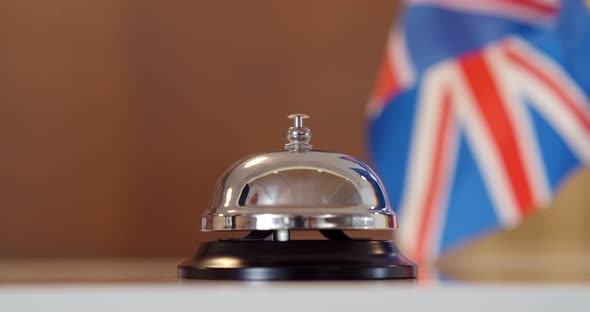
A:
[480,112]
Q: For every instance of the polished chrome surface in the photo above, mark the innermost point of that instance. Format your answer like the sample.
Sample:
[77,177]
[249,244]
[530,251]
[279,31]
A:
[298,135]
[281,235]
[312,190]
[299,189]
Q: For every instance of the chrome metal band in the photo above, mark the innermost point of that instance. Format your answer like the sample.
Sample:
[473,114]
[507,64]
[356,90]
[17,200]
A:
[376,221]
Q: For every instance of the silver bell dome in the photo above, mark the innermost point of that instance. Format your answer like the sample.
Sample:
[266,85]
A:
[299,189]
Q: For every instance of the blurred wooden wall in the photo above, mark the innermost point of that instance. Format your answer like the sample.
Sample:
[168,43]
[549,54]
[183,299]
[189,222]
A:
[117,117]
[67,92]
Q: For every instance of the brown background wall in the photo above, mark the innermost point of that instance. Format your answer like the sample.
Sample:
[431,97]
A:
[117,117]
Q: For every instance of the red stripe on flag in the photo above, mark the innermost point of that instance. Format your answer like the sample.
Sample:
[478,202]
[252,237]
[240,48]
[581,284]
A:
[387,83]
[435,184]
[550,82]
[500,7]
[533,5]
[491,106]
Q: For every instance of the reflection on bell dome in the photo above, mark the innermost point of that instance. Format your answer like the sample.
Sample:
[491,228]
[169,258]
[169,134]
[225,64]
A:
[302,188]
[299,190]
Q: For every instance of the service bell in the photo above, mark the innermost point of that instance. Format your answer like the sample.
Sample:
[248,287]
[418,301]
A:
[298,189]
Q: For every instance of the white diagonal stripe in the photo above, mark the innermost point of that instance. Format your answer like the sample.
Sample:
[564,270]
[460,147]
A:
[550,106]
[421,151]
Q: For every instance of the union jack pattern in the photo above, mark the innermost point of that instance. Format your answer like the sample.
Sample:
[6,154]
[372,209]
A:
[477,132]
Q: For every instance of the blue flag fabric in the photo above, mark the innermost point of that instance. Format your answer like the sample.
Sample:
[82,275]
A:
[480,112]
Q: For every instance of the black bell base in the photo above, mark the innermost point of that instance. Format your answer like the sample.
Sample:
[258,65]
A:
[298,260]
